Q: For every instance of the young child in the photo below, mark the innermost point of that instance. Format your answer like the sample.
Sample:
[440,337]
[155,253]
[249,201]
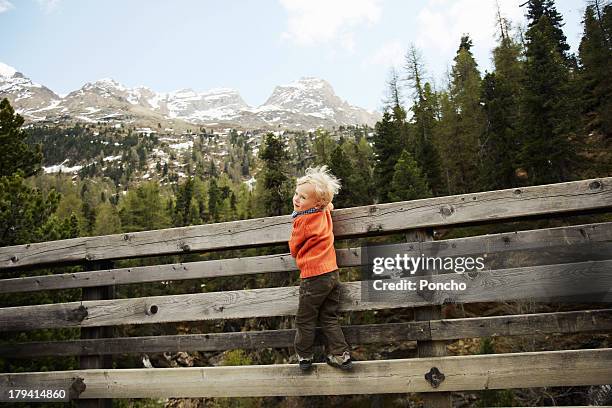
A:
[312,246]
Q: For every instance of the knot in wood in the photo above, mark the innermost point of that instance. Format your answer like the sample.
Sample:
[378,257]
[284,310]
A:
[434,377]
[78,314]
[595,185]
[185,247]
[76,388]
[126,237]
[372,209]
[14,258]
[517,191]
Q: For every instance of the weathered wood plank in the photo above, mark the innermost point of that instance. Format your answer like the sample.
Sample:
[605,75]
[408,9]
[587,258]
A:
[594,194]
[363,334]
[489,371]
[553,245]
[598,320]
[544,283]
[155,273]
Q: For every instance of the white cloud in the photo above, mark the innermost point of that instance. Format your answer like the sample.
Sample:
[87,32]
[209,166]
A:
[441,23]
[390,54]
[314,22]
[48,5]
[5,5]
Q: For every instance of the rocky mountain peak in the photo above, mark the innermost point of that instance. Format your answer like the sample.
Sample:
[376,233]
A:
[105,83]
[319,105]
[305,92]
[24,94]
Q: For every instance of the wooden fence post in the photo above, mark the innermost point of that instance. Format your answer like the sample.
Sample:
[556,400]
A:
[430,348]
[97,361]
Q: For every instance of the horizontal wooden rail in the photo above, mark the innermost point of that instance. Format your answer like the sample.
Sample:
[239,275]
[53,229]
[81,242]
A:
[537,282]
[461,373]
[584,195]
[552,245]
[446,329]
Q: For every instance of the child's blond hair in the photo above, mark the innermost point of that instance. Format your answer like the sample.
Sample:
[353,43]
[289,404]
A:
[326,185]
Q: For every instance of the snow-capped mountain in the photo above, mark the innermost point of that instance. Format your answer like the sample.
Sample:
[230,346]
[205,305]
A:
[304,104]
[215,104]
[24,93]
[312,100]
[106,99]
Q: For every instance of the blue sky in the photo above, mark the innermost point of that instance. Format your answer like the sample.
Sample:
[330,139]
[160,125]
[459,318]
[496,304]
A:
[248,45]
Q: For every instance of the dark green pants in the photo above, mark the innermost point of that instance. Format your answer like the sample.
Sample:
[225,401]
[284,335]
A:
[319,298]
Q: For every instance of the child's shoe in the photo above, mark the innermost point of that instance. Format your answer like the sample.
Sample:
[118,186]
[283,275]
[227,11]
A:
[305,363]
[343,361]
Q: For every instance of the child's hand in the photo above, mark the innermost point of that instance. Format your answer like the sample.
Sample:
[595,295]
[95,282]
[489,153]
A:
[330,206]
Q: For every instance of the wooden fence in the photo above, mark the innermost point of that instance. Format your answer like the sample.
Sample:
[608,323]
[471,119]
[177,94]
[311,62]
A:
[567,262]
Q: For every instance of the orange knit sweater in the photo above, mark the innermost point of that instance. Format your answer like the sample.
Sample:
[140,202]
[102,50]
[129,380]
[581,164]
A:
[312,244]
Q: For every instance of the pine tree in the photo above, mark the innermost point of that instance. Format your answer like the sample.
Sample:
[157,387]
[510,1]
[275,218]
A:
[595,55]
[401,126]
[394,96]
[385,144]
[363,185]
[301,152]
[275,188]
[537,9]
[214,200]
[398,112]
[16,154]
[182,214]
[408,181]
[245,166]
[461,125]
[341,167]
[501,92]
[428,156]
[415,72]
[425,112]
[391,135]
[89,217]
[548,103]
